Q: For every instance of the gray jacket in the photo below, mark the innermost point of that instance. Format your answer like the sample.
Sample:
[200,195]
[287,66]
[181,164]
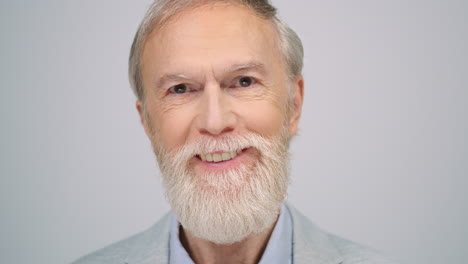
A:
[310,246]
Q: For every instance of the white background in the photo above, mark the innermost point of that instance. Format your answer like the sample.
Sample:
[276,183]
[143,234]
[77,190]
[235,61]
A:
[382,155]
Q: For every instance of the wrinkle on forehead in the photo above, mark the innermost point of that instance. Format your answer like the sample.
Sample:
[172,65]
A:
[210,44]
[211,27]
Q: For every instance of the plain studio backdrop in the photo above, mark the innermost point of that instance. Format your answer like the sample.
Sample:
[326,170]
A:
[381,158]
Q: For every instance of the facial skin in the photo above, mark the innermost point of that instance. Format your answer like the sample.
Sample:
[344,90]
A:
[214,72]
[203,49]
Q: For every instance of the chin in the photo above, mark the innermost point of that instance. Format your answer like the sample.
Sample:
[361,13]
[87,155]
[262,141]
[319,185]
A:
[228,201]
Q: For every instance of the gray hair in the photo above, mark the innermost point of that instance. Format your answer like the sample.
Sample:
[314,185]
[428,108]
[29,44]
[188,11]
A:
[162,10]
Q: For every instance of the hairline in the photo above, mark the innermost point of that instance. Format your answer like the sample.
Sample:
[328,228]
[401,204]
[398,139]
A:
[156,23]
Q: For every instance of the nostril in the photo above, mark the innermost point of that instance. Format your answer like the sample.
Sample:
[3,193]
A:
[215,131]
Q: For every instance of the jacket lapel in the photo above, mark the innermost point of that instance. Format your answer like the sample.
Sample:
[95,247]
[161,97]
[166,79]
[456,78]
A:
[153,245]
[310,244]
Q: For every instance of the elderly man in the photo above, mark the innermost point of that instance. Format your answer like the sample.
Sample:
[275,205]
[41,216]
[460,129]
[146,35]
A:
[220,93]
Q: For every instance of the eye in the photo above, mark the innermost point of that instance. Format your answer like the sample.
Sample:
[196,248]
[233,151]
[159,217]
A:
[179,88]
[245,81]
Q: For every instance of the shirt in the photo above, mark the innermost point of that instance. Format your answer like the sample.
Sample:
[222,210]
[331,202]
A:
[278,250]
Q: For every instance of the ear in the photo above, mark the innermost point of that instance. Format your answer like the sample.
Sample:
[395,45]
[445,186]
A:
[296,108]
[144,122]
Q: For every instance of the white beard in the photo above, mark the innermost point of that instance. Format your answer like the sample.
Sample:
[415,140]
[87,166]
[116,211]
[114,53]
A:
[229,206]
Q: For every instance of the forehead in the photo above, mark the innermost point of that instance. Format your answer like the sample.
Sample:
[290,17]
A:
[213,36]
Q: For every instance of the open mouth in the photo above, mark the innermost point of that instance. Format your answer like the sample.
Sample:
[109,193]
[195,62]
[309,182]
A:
[219,156]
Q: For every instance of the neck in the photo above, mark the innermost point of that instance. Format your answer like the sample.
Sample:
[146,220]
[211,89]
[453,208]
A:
[247,251]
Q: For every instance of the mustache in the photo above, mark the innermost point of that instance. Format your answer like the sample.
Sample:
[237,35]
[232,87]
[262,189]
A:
[223,143]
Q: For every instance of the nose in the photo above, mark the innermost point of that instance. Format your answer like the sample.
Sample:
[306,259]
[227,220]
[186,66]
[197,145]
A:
[216,114]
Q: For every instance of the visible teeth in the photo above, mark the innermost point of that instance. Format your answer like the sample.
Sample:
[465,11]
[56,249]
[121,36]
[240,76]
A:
[233,154]
[217,157]
[226,156]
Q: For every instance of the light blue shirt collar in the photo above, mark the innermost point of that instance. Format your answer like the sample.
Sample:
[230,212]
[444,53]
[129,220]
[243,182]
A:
[278,250]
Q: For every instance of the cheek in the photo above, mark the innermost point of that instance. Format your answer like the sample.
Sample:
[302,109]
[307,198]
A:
[268,115]
[174,129]
[171,127]
[265,118]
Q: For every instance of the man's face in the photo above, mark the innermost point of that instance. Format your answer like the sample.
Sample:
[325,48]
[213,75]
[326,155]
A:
[211,74]
[207,52]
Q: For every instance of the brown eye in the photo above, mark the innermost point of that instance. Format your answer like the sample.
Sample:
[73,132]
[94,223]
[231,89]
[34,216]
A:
[246,81]
[179,89]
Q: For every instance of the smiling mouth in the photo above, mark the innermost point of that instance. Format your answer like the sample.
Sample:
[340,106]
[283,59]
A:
[220,156]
